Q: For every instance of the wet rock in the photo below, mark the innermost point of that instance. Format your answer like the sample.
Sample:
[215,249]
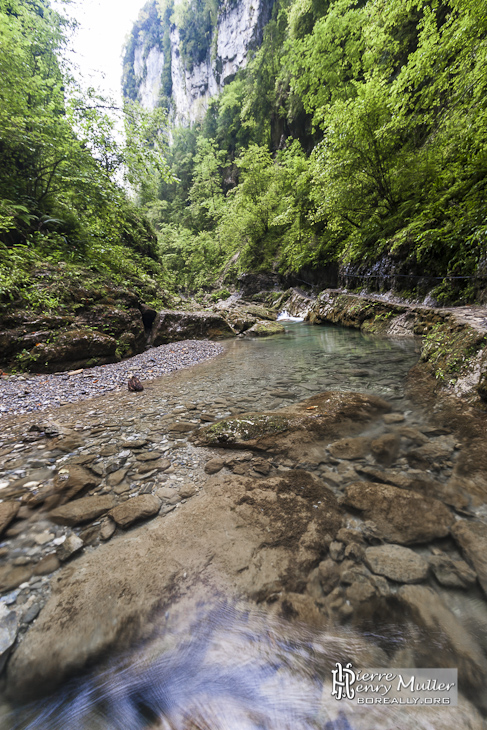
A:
[329,575]
[397,563]
[12,576]
[265,329]
[385,449]
[47,565]
[452,493]
[449,644]
[8,633]
[183,427]
[452,573]
[170,326]
[107,528]
[350,448]
[390,418]
[472,539]
[148,456]
[426,456]
[213,466]
[261,466]
[187,491]
[337,550]
[292,430]
[400,516]
[116,477]
[8,510]
[137,508]
[74,481]
[71,545]
[82,510]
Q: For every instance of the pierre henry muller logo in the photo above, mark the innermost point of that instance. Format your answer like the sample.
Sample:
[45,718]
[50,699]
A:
[343,678]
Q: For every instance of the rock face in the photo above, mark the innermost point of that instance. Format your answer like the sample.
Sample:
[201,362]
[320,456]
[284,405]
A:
[171,326]
[156,63]
[400,515]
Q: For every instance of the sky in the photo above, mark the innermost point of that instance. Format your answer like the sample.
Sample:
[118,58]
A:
[97,44]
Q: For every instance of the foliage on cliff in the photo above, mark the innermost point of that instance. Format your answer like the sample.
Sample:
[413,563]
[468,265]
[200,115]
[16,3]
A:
[357,130]
[60,161]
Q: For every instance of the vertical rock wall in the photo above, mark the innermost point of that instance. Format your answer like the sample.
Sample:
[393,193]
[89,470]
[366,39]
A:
[239,28]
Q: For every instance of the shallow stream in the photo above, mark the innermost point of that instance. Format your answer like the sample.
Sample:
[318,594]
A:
[218,667]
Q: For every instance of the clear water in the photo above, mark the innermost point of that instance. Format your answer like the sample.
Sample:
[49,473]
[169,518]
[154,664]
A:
[227,668]
[261,374]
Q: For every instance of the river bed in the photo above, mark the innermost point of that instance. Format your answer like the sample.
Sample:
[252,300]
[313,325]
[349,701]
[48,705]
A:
[193,673]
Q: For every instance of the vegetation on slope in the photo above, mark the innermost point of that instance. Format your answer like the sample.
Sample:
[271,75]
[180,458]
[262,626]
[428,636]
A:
[61,208]
[356,132]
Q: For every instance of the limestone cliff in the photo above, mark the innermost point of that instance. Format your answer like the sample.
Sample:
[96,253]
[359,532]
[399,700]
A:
[180,55]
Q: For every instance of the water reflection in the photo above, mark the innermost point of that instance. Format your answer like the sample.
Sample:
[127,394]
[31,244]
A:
[230,668]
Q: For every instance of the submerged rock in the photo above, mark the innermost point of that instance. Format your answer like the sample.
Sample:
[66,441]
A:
[265,329]
[294,429]
[400,515]
[397,563]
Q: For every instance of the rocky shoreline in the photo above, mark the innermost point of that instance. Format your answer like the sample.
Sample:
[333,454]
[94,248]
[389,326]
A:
[23,394]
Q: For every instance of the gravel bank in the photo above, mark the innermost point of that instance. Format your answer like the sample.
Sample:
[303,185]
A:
[29,393]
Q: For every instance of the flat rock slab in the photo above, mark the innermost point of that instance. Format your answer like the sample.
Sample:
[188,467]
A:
[397,563]
[292,430]
[8,511]
[401,516]
[240,536]
[82,510]
[135,509]
[472,538]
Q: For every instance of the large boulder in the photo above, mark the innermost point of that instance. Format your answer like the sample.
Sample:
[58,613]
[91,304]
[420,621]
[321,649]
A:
[171,326]
[73,349]
[294,430]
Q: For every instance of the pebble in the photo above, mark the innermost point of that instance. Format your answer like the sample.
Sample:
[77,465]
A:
[45,391]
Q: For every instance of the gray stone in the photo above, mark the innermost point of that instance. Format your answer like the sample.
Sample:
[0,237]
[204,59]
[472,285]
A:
[8,633]
[397,563]
[31,612]
[69,547]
